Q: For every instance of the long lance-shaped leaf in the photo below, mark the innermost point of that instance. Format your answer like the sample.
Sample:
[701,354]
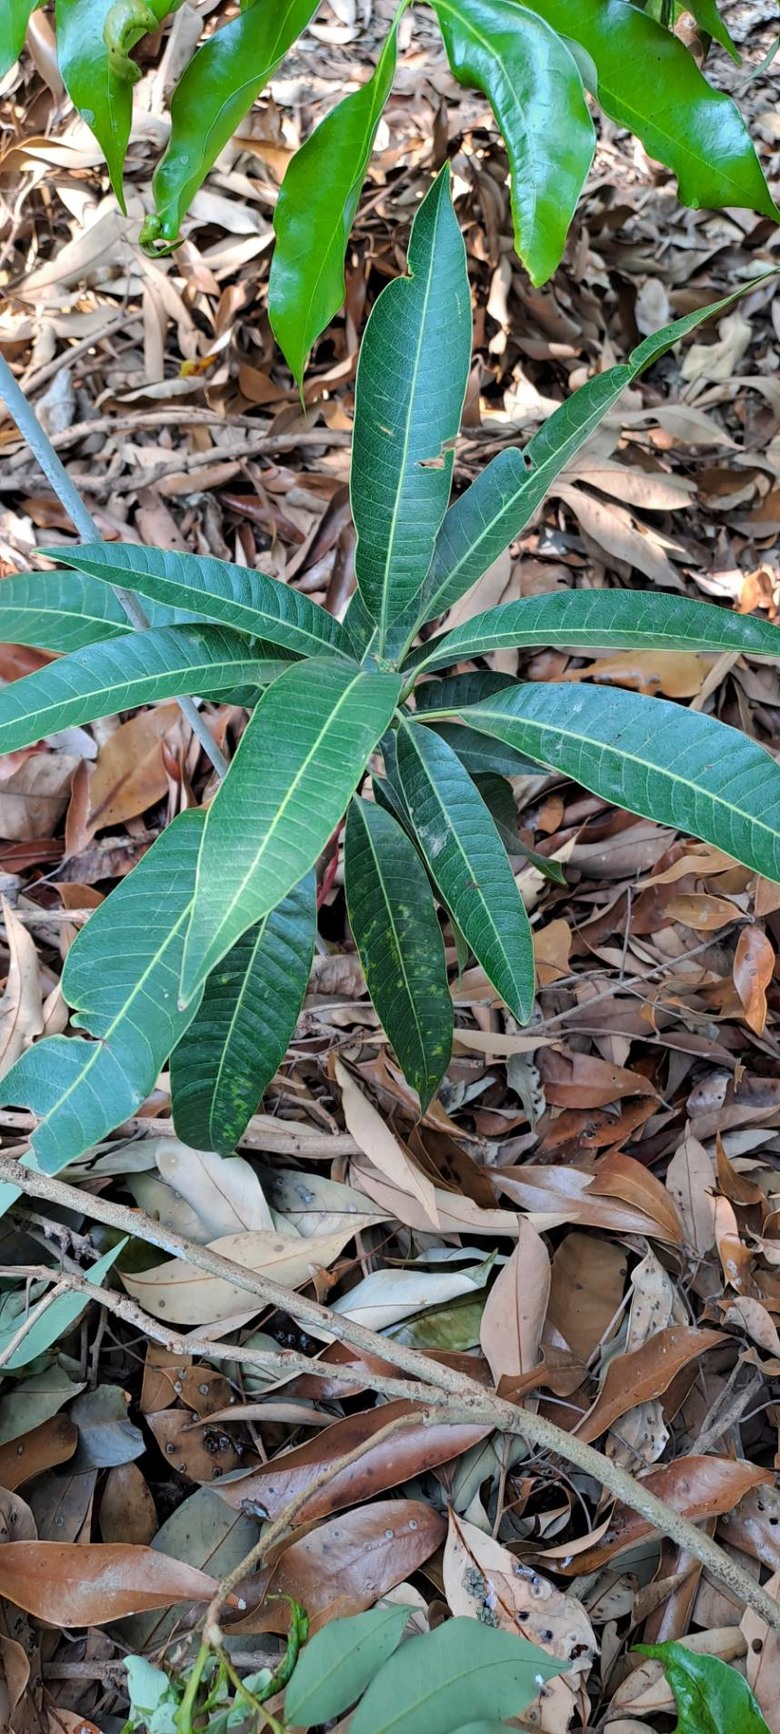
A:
[600,620]
[400,944]
[215,91]
[121,977]
[645,79]
[138,668]
[709,19]
[64,611]
[299,761]
[468,862]
[215,590]
[411,382]
[103,97]
[535,90]
[504,497]
[315,211]
[14,19]
[240,1035]
[654,758]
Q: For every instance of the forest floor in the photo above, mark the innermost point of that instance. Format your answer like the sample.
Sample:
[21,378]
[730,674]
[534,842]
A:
[626,1144]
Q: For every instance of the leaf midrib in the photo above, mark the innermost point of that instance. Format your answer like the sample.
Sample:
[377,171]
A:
[398,947]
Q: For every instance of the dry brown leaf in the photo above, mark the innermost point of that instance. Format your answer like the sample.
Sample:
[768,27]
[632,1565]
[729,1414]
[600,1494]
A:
[70,1584]
[34,794]
[394,1461]
[696,1486]
[53,1442]
[345,1565]
[515,1310]
[379,1144]
[754,964]
[677,674]
[643,1374]
[690,1179]
[127,1510]
[588,1282]
[127,777]
[184,1295]
[21,1007]
[574,1080]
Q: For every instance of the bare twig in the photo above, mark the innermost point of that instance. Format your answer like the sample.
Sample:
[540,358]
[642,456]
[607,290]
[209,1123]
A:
[54,470]
[468,1404]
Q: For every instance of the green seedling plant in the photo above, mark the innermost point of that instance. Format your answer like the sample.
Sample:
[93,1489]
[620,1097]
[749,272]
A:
[537,64]
[362,735]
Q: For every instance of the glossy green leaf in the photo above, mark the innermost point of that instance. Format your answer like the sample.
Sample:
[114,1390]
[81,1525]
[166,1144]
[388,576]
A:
[502,500]
[315,211]
[216,590]
[462,1669]
[126,22]
[676,766]
[15,16]
[64,611]
[601,620]
[299,761]
[212,96]
[400,944]
[454,691]
[477,757]
[138,668]
[121,978]
[497,795]
[708,17]
[711,1697]
[339,1661]
[645,79]
[240,1035]
[52,1324]
[535,90]
[468,862]
[104,100]
[411,381]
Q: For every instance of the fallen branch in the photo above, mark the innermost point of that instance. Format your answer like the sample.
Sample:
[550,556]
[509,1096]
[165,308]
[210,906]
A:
[468,1401]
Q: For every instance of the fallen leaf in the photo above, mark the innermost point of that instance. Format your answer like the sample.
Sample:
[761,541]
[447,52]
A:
[643,1374]
[376,1139]
[34,795]
[690,1179]
[127,777]
[21,1007]
[183,1295]
[588,1280]
[127,1509]
[754,963]
[394,1461]
[696,1486]
[516,1307]
[225,1194]
[71,1585]
[584,1081]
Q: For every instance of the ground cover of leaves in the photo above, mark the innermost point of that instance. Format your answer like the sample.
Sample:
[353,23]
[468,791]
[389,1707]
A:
[587,1219]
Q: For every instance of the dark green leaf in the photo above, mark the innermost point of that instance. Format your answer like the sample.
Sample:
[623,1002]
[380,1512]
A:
[212,96]
[599,620]
[233,595]
[673,765]
[708,17]
[712,1698]
[239,1038]
[138,668]
[103,99]
[338,1663]
[411,382]
[645,79]
[469,863]
[126,22]
[15,16]
[65,610]
[535,90]
[479,757]
[315,211]
[460,1669]
[299,761]
[397,933]
[121,977]
[457,690]
[57,1319]
[505,495]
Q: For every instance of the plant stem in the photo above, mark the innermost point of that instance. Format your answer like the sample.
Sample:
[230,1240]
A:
[458,1399]
[56,474]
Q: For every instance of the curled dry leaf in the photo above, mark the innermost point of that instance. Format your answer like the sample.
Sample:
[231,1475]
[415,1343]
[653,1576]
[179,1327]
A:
[386,1152]
[225,1194]
[184,1295]
[645,1373]
[127,777]
[516,1308]
[484,1581]
[754,964]
[21,1007]
[395,1460]
[68,1584]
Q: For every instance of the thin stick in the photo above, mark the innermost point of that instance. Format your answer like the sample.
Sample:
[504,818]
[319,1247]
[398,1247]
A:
[469,1402]
[56,474]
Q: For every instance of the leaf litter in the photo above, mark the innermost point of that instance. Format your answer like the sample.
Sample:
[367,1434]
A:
[586,1220]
